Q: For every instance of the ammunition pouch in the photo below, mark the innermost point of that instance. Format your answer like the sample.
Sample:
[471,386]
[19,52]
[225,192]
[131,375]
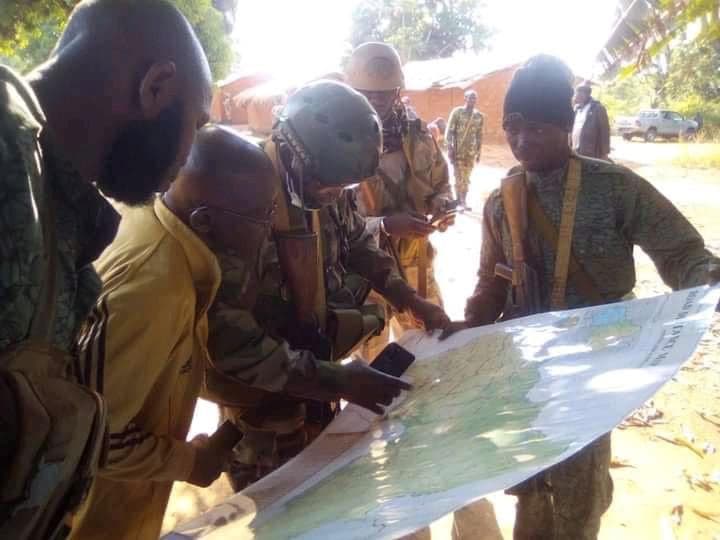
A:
[352,327]
[61,439]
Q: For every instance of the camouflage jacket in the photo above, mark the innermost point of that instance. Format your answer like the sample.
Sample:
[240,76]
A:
[616,210]
[32,176]
[465,139]
[248,333]
[412,179]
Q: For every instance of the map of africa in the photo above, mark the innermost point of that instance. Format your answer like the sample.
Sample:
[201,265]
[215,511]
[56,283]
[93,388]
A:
[490,407]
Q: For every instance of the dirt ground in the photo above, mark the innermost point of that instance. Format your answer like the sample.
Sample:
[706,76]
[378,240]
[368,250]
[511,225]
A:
[666,467]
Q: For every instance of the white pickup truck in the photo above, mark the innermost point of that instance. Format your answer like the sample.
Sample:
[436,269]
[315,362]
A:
[653,123]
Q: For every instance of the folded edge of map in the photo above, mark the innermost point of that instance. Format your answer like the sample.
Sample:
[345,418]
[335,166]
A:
[491,407]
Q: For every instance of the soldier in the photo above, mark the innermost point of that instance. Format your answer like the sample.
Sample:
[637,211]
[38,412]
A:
[464,142]
[114,108]
[614,209]
[317,273]
[411,182]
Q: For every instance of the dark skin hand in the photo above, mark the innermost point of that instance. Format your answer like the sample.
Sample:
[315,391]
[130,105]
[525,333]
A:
[355,382]
[452,328]
[408,225]
[432,316]
[361,384]
[209,462]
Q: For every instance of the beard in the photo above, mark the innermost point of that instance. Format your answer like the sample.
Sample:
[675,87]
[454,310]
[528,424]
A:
[141,157]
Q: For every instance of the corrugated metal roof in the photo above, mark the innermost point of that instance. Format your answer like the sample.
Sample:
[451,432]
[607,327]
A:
[454,72]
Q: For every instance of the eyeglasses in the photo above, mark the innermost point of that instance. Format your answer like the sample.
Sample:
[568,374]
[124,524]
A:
[267,222]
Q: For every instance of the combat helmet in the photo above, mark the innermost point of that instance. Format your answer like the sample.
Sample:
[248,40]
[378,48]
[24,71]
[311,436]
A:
[334,132]
[375,67]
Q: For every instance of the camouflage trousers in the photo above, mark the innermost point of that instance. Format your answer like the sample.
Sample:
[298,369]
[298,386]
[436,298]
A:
[272,435]
[399,322]
[475,521]
[567,501]
[463,172]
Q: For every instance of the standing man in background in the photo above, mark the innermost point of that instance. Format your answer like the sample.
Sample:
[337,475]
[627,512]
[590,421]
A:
[591,129]
[464,142]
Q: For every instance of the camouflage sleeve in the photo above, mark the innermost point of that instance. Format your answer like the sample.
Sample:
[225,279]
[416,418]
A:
[487,301]
[243,351]
[373,263]
[20,235]
[658,227]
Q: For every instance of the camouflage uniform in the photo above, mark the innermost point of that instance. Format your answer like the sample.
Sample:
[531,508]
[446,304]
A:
[616,209]
[466,140]
[84,222]
[423,187]
[256,351]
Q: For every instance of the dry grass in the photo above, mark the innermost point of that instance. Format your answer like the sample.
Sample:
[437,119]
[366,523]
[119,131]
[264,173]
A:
[698,156]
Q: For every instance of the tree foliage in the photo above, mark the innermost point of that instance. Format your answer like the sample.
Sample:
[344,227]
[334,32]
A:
[30,28]
[421,29]
[684,78]
[662,24]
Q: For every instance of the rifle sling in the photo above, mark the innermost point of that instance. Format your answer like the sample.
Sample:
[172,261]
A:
[582,281]
[565,234]
[290,219]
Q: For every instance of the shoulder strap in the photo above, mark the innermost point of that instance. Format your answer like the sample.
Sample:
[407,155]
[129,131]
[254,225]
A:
[286,218]
[564,242]
[513,189]
[584,283]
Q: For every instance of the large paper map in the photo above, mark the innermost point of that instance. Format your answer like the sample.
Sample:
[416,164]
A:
[491,407]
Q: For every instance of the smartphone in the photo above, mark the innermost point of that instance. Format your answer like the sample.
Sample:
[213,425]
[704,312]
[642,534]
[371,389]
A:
[393,360]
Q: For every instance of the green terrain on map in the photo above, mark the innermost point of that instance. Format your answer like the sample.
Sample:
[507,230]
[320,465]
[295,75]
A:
[467,419]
